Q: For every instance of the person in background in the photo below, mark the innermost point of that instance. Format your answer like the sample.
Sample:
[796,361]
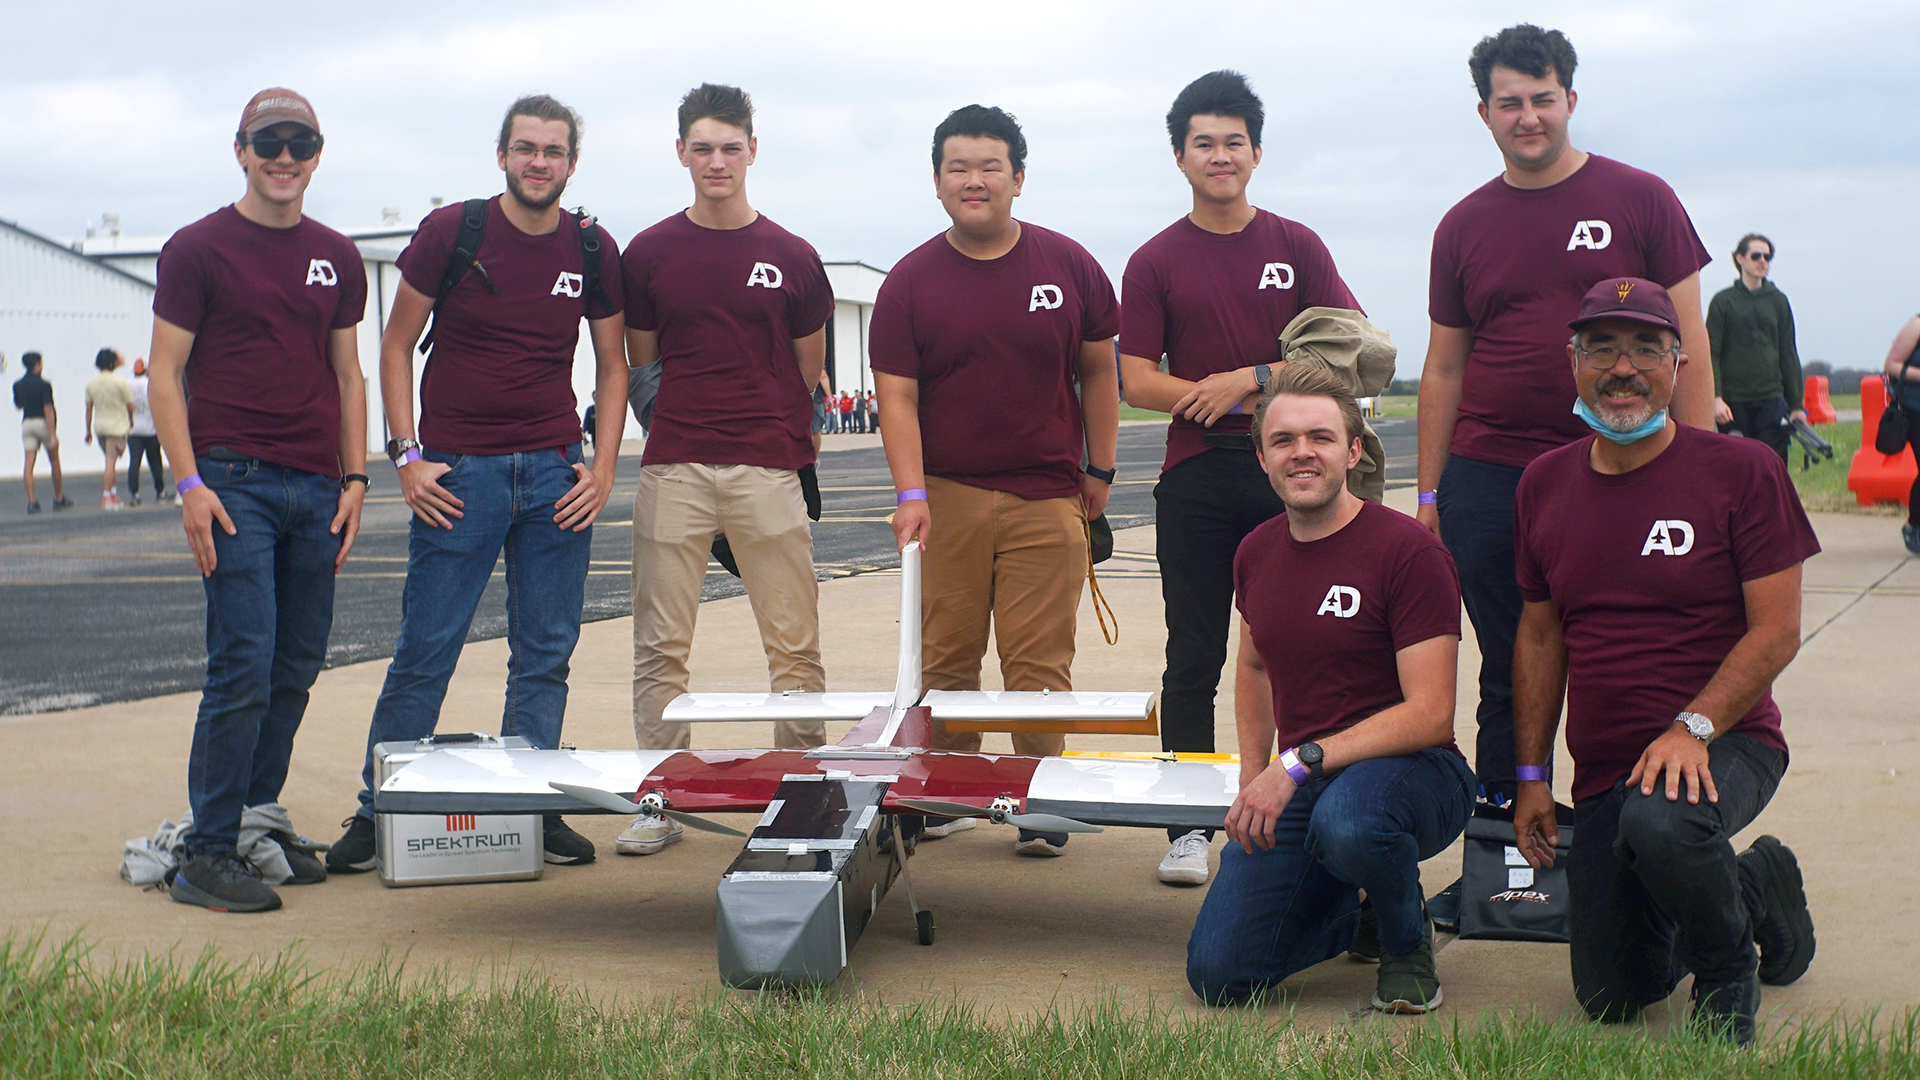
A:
[873,412]
[1757,385]
[822,392]
[144,441]
[846,413]
[1902,370]
[109,416]
[39,428]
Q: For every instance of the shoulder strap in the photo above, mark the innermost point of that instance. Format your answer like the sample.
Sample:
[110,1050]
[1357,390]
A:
[589,232]
[466,255]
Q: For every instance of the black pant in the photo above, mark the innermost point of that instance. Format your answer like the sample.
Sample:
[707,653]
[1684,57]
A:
[1476,524]
[148,445]
[1907,396]
[1654,887]
[1203,508]
[1764,420]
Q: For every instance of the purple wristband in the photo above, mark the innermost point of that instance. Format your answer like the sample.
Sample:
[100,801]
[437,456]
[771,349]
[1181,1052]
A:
[407,458]
[1427,498]
[909,495]
[1534,773]
[1236,410]
[188,483]
[1290,761]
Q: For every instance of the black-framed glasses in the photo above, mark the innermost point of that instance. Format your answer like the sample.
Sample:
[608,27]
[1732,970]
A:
[1760,256]
[1642,357]
[268,145]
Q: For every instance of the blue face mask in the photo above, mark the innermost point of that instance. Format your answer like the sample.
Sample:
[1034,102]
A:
[1654,423]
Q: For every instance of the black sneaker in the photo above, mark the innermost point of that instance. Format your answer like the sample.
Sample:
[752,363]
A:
[63,503]
[302,859]
[1784,928]
[564,846]
[1443,908]
[1409,984]
[1910,536]
[354,852]
[1366,938]
[222,881]
[33,508]
[1726,1010]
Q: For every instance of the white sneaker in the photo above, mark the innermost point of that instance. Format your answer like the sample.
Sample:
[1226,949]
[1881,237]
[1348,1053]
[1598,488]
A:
[949,827]
[1186,861]
[648,834]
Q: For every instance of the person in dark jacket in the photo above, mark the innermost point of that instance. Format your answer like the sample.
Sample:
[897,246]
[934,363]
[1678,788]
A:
[1757,385]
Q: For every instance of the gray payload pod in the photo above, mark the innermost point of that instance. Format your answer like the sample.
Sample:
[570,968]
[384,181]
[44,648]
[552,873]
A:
[812,874]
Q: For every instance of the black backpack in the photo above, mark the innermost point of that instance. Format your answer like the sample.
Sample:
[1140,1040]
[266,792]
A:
[466,255]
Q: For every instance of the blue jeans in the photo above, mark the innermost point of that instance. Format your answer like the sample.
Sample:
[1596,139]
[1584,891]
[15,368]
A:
[269,610]
[1276,912]
[1476,524]
[509,503]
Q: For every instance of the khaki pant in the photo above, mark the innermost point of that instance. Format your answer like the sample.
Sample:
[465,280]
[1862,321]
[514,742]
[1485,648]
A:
[1018,563]
[678,511]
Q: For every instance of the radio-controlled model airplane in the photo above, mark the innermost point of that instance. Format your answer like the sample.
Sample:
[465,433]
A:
[830,840]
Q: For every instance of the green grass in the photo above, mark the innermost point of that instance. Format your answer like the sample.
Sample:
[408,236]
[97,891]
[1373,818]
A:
[64,1015]
[1824,486]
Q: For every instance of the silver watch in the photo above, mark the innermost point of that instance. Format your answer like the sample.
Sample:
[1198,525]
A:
[1697,726]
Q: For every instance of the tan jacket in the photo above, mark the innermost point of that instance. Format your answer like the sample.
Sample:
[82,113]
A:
[1342,341]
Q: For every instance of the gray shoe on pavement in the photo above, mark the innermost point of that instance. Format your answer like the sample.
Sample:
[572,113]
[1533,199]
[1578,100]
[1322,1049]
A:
[1186,861]
[222,881]
[1409,984]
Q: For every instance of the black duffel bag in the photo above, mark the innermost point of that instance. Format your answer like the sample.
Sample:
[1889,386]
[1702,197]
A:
[1504,899]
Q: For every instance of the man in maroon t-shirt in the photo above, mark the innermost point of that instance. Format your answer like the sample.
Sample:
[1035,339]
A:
[1510,263]
[257,395]
[996,311]
[498,467]
[1349,642]
[1211,293]
[1661,570]
[734,309]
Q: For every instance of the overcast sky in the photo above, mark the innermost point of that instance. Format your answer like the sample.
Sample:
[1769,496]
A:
[1793,119]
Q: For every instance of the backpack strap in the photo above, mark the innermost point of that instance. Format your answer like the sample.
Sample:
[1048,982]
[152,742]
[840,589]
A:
[466,256]
[590,254]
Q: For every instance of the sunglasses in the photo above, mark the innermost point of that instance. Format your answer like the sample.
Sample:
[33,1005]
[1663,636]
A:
[303,146]
[1760,256]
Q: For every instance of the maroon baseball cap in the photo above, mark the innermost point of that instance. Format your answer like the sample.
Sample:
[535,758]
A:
[278,105]
[1631,298]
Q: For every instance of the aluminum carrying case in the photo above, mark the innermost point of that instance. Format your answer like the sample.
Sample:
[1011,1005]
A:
[451,849]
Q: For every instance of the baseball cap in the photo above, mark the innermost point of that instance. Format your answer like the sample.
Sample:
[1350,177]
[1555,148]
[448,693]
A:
[1631,298]
[277,105]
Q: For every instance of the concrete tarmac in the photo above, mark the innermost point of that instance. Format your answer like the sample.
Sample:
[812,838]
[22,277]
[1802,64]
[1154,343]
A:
[1015,935]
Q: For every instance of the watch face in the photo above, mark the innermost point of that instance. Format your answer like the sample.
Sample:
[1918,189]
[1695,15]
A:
[1311,753]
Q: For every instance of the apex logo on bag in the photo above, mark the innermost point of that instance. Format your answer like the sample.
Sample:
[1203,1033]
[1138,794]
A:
[568,284]
[1342,602]
[1276,276]
[1670,537]
[765,274]
[1531,896]
[321,272]
[1045,298]
[1592,235]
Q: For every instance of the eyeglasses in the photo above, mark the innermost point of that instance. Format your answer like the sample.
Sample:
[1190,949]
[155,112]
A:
[268,146]
[1760,256]
[554,153]
[1642,357]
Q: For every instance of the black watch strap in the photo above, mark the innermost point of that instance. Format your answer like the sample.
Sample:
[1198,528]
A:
[365,481]
[1102,475]
[1313,758]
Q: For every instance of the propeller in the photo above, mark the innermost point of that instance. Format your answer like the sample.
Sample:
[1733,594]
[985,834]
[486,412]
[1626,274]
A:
[1034,822]
[607,800]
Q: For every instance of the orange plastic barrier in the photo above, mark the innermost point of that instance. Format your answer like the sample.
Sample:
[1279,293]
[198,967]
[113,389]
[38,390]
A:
[1818,405]
[1874,477]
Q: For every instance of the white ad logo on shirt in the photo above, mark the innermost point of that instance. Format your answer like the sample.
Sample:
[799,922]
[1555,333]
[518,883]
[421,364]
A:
[765,274]
[1276,276]
[1672,537]
[1342,602]
[1592,235]
[1046,297]
[320,272]
[568,284]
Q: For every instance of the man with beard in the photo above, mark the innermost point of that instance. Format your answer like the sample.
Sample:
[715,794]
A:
[1661,570]
[1349,636]
[497,464]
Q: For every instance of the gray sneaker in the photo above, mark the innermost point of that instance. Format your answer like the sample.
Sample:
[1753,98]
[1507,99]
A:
[1366,938]
[1409,984]
[647,834]
[222,881]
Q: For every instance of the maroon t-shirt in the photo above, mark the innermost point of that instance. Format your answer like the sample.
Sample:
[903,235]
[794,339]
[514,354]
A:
[1645,569]
[260,302]
[995,344]
[728,304]
[1512,264]
[1329,616]
[499,379]
[1211,302]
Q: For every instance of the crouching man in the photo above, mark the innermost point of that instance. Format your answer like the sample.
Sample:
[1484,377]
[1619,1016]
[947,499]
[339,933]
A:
[1349,635]
[1660,567]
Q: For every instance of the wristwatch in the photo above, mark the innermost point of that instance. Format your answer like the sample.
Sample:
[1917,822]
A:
[1261,373]
[366,482]
[1312,756]
[399,448]
[1103,475]
[1697,726]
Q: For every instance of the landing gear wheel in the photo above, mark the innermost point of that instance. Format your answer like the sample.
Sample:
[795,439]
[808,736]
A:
[923,922]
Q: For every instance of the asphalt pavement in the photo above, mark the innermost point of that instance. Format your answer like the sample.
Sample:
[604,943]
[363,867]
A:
[102,607]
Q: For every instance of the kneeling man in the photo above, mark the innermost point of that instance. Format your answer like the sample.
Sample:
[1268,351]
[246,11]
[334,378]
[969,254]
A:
[1349,635]
[1660,565]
